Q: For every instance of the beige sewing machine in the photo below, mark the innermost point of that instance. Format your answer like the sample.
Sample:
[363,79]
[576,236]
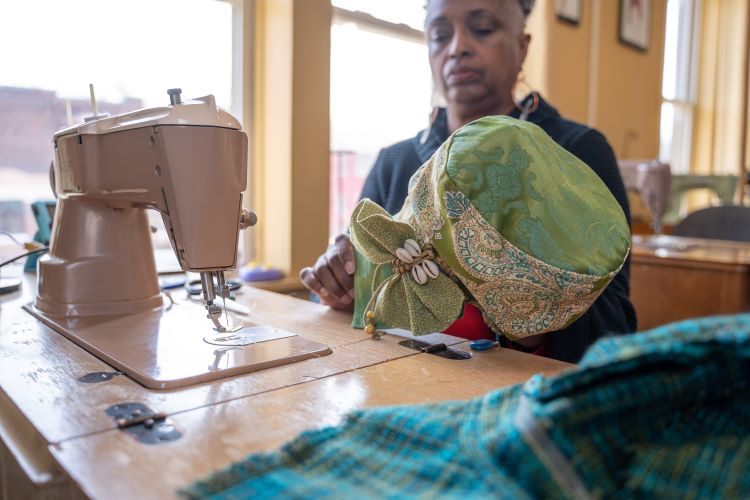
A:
[651,180]
[99,285]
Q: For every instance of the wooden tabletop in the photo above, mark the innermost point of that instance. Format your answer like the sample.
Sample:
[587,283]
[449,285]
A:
[57,427]
[217,435]
[679,249]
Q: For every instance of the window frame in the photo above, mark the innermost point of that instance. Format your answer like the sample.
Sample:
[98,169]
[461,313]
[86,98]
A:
[365,21]
[678,153]
[242,100]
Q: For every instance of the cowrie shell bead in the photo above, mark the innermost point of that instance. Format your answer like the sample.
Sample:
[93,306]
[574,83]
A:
[432,269]
[419,275]
[412,247]
[404,256]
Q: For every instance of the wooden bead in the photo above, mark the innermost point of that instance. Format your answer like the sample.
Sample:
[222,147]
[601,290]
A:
[370,329]
[370,315]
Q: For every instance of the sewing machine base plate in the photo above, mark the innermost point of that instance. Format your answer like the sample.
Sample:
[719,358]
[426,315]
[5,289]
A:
[165,348]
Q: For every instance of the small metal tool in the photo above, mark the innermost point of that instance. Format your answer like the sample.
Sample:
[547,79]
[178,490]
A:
[439,349]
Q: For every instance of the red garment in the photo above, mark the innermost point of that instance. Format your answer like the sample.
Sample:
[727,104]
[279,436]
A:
[471,326]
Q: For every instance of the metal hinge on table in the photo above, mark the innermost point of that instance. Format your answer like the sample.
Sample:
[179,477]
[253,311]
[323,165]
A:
[441,349]
[144,424]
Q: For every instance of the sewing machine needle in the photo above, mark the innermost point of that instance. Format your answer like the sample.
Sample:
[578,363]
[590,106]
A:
[223,291]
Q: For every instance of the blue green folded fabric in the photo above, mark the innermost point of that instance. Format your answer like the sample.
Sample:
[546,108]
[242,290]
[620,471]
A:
[664,413]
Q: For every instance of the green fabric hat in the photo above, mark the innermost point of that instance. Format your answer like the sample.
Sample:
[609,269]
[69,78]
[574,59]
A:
[501,216]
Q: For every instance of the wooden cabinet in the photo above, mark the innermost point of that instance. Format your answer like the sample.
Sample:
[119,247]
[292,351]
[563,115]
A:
[674,278]
[56,440]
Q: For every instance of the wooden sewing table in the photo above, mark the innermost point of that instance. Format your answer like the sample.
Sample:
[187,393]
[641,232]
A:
[57,441]
[674,278]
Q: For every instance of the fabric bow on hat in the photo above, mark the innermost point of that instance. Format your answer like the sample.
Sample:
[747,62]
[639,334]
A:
[416,295]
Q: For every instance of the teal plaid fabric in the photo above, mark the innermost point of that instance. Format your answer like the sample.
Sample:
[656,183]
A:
[664,413]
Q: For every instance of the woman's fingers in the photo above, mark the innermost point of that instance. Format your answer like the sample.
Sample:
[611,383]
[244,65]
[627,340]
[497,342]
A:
[308,278]
[332,276]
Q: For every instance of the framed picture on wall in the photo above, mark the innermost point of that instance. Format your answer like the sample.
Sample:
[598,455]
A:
[568,10]
[635,23]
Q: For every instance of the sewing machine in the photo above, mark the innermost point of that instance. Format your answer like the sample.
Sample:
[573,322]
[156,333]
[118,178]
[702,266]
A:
[651,179]
[99,286]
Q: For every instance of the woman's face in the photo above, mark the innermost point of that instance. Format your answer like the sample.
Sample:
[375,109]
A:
[476,50]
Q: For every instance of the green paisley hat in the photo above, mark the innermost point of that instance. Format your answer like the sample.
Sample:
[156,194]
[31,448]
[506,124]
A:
[501,217]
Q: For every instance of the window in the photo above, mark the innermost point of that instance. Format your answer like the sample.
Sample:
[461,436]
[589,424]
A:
[131,51]
[380,90]
[678,84]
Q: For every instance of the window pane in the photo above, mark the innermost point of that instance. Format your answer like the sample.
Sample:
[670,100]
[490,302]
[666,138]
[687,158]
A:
[677,50]
[380,94]
[675,136]
[678,86]
[137,49]
[671,38]
[409,12]
[666,128]
[132,52]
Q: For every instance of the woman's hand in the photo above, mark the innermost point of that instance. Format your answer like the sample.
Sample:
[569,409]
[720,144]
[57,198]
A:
[332,276]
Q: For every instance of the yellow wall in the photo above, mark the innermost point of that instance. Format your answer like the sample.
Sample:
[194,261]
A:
[593,78]
[290,131]
[629,85]
[563,49]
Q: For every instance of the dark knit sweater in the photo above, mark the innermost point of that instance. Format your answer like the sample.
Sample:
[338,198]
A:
[612,313]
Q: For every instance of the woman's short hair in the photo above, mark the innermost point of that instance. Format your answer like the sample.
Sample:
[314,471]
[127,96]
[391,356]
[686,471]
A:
[526,6]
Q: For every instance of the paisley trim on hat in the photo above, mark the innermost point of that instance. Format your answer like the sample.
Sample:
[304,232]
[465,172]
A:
[421,198]
[520,294]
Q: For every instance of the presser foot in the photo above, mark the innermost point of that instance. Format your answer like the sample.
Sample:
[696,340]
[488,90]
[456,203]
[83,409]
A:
[214,313]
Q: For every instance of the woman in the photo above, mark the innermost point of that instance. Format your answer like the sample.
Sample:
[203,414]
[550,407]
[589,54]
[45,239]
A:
[476,51]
